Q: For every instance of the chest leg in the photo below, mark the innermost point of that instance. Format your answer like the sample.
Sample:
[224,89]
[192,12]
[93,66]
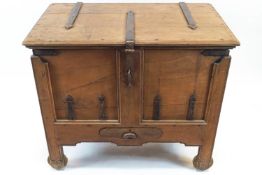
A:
[56,158]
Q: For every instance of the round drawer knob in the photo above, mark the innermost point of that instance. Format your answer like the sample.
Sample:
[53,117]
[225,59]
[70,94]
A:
[129,135]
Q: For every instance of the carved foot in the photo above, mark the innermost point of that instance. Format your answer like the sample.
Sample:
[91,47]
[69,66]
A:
[202,165]
[58,164]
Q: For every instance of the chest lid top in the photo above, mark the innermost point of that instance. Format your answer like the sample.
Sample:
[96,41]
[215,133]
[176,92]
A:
[155,24]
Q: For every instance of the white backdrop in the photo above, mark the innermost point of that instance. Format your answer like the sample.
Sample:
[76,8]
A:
[238,147]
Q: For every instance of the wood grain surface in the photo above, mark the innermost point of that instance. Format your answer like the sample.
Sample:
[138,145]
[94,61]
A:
[155,24]
[89,61]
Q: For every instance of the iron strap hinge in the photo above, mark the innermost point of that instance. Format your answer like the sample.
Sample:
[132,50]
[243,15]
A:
[156,107]
[189,18]
[130,32]
[73,15]
[70,108]
[102,113]
[191,107]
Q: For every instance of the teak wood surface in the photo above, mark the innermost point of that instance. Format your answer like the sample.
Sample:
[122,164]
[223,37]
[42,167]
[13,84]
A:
[156,24]
[89,61]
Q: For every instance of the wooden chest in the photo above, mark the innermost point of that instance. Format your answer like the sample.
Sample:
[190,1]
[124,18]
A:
[130,74]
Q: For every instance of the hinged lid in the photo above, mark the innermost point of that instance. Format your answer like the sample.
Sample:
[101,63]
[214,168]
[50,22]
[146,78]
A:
[155,24]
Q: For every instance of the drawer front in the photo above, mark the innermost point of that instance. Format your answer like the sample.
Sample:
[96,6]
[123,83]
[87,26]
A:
[176,84]
[84,84]
[131,133]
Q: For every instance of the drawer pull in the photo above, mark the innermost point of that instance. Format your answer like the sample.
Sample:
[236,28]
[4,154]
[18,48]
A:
[102,115]
[129,135]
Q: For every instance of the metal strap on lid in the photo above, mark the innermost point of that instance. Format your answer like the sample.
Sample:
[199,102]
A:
[190,20]
[130,32]
[73,15]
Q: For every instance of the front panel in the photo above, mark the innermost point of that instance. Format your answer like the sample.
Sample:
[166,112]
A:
[164,98]
[176,84]
[84,84]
